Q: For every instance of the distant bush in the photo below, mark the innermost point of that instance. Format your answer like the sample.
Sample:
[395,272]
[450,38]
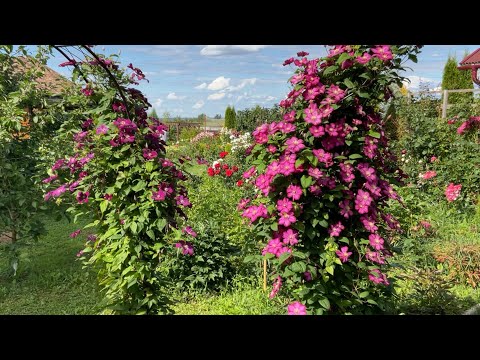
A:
[249,119]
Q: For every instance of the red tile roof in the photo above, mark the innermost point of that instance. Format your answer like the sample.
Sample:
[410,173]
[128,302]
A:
[472,59]
[51,81]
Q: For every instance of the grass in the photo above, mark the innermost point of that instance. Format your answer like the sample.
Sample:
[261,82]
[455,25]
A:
[49,279]
[242,298]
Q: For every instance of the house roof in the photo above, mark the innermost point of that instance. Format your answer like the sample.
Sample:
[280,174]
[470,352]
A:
[472,59]
[51,81]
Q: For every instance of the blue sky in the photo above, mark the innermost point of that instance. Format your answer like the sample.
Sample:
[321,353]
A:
[187,80]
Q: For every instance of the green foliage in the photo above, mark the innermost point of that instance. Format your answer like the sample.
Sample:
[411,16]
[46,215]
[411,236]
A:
[426,292]
[153,114]
[25,128]
[222,240]
[453,78]
[187,133]
[211,266]
[248,119]
[425,135]
[230,118]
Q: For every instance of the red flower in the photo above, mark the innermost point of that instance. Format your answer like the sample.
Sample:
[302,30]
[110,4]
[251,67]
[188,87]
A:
[217,171]
[223,154]
[210,171]
[225,167]
[234,168]
[217,166]
[228,172]
[239,183]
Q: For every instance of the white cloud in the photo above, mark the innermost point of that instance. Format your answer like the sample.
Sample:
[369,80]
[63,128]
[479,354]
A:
[217,50]
[416,81]
[216,96]
[242,84]
[173,96]
[201,86]
[229,96]
[158,103]
[198,104]
[173,71]
[219,83]
[270,98]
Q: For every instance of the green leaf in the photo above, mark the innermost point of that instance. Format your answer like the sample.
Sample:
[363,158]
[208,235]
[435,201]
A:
[299,162]
[329,69]
[140,186]
[355,156]
[349,83]
[298,267]
[323,223]
[306,181]
[149,166]
[103,205]
[364,95]
[151,234]
[161,223]
[374,134]
[364,294]
[133,227]
[325,303]
[274,226]
[342,58]
[329,269]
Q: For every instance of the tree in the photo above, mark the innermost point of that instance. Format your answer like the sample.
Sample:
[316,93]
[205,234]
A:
[201,117]
[229,118]
[218,117]
[153,113]
[456,79]
[233,118]
[25,131]
[166,116]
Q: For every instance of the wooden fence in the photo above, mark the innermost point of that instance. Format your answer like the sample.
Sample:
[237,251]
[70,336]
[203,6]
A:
[445,96]
[176,127]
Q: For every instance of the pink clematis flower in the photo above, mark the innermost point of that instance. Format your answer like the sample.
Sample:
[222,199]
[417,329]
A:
[294,192]
[297,308]
[343,254]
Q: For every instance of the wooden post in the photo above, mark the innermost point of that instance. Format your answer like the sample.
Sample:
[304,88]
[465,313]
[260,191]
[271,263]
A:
[265,275]
[445,103]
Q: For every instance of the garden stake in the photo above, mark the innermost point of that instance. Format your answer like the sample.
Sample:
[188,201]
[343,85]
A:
[265,275]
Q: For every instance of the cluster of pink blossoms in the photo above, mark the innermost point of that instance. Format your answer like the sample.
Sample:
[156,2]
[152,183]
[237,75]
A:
[452,192]
[469,124]
[429,174]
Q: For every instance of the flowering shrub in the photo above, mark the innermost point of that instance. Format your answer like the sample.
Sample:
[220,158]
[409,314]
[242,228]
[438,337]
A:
[324,175]
[118,174]
[440,152]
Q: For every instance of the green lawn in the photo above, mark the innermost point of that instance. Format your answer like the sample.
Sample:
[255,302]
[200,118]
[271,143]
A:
[49,279]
